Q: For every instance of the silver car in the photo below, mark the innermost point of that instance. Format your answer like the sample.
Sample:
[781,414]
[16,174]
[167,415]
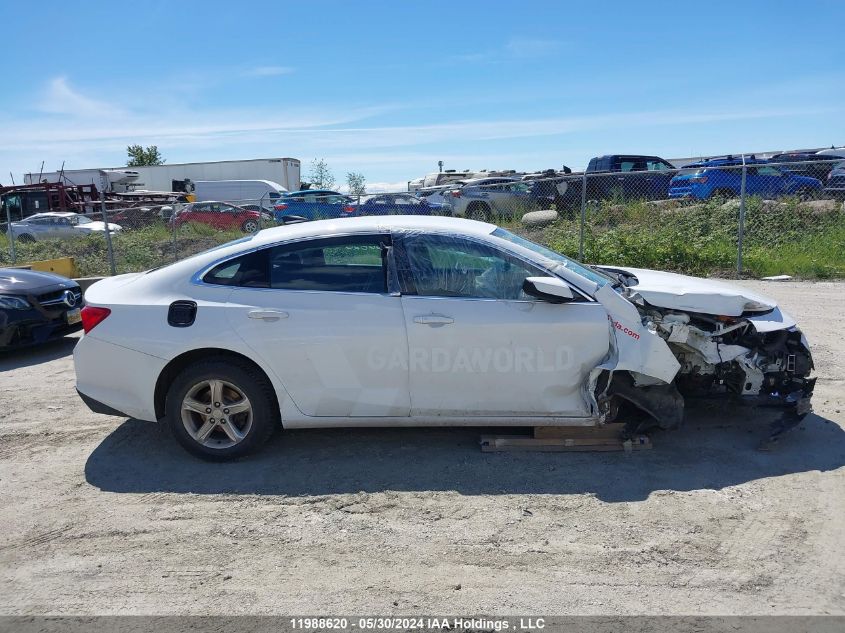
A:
[487,199]
[57,225]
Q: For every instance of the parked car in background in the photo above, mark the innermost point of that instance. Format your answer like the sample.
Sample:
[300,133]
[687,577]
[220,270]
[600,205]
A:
[835,185]
[808,164]
[549,188]
[488,198]
[267,210]
[58,225]
[398,204]
[624,177]
[722,177]
[36,307]
[138,217]
[313,204]
[832,152]
[220,215]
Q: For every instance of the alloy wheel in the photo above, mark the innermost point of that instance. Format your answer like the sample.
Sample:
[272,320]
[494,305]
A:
[216,414]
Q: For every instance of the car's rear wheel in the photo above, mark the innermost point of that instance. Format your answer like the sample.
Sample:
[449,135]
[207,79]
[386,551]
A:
[723,193]
[221,409]
[478,211]
[250,226]
[26,238]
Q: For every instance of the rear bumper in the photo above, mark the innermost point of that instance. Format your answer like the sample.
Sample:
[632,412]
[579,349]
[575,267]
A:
[98,407]
[118,380]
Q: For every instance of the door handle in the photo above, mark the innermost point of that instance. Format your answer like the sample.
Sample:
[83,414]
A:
[433,319]
[267,315]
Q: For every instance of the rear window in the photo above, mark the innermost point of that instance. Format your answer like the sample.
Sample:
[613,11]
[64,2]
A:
[342,264]
[249,271]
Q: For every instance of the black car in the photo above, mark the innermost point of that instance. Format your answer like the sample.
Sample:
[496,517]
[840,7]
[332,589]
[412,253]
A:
[835,185]
[36,307]
[805,164]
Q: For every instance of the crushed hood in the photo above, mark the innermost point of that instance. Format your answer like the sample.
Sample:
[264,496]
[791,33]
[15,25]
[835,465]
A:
[694,294]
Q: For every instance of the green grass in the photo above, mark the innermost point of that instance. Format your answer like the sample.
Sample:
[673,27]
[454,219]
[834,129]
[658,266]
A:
[788,237]
[134,250]
[805,240]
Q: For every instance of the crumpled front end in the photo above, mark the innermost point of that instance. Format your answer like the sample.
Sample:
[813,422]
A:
[746,358]
[755,358]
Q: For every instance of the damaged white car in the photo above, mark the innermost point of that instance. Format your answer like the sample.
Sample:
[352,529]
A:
[413,321]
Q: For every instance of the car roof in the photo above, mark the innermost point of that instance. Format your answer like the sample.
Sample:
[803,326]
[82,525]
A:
[304,192]
[52,214]
[368,224]
[725,161]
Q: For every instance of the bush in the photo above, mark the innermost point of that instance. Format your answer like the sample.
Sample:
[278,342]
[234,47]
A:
[134,250]
[783,237]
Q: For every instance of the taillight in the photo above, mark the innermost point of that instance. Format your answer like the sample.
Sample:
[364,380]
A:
[92,316]
[281,206]
[456,193]
[349,209]
[699,180]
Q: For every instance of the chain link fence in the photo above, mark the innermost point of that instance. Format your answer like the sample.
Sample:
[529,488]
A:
[735,215]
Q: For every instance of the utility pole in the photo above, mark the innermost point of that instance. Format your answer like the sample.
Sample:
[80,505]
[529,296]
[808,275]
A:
[104,182]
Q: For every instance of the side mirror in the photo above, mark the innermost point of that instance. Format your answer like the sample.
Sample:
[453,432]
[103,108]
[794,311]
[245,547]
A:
[549,289]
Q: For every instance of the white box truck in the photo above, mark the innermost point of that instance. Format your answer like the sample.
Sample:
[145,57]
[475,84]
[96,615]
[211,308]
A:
[284,171]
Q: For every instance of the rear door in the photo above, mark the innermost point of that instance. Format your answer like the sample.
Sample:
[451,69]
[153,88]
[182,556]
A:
[478,347]
[319,313]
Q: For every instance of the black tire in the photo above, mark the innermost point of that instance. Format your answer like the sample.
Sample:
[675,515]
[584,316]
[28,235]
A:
[250,226]
[724,194]
[478,211]
[806,193]
[26,238]
[251,382]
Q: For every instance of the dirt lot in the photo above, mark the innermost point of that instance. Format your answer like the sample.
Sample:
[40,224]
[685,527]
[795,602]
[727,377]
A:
[107,515]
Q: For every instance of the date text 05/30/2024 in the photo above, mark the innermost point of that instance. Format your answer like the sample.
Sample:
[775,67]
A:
[420,623]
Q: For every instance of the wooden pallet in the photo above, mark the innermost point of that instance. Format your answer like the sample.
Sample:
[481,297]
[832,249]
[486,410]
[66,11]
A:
[566,439]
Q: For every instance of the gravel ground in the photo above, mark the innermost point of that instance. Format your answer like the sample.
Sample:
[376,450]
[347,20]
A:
[103,515]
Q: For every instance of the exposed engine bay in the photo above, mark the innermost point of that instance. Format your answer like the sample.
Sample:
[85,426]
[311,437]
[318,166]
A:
[757,357]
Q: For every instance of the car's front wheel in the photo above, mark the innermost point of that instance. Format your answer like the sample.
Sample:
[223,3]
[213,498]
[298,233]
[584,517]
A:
[478,211]
[807,193]
[221,409]
[250,226]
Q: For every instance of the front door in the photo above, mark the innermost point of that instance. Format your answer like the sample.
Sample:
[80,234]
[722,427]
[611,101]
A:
[318,312]
[478,346]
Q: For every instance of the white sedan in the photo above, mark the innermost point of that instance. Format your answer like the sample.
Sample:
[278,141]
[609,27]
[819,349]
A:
[412,321]
[58,225]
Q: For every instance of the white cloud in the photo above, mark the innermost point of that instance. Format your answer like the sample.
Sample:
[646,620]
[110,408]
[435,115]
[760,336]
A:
[60,98]
[515,48]
[269,71]
[526,47]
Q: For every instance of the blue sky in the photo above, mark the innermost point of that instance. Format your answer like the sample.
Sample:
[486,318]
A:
[390,88]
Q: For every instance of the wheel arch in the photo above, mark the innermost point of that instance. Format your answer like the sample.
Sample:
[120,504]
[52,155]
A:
[180,362]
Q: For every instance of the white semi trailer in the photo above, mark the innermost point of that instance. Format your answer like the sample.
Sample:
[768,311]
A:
[285,171]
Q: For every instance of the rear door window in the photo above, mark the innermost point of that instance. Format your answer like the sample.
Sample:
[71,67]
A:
[354,263]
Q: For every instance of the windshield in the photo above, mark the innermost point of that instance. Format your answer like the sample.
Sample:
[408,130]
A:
[83,220]
[595,276]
